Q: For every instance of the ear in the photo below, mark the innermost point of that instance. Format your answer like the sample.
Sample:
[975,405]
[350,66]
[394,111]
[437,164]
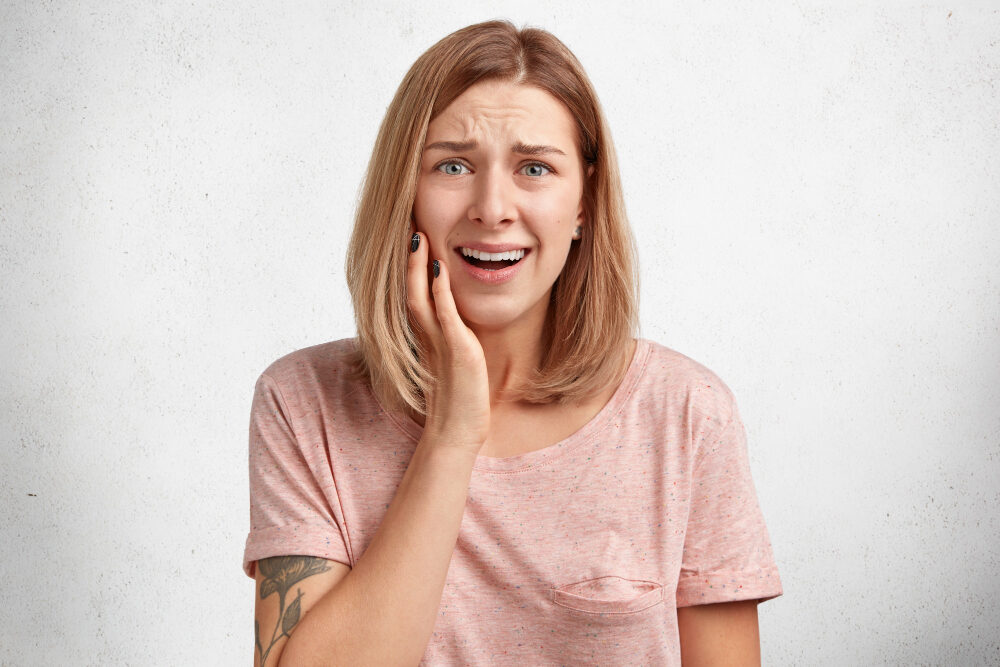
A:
[577,231]
[580,217]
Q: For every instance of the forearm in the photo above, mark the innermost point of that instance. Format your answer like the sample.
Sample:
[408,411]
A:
[384,610]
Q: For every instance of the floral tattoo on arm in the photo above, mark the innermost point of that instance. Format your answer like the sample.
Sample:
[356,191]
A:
[278,575]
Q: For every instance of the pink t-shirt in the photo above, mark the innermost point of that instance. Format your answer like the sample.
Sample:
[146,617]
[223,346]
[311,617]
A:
[574,554]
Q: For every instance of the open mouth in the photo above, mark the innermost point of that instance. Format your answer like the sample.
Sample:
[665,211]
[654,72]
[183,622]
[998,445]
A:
[492,261]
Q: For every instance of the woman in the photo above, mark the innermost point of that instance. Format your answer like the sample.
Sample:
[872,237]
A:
[496,471]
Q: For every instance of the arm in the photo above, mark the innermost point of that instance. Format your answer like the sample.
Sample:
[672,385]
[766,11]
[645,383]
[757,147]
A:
[384,610]
[727,552]
[725,633]
[287,588]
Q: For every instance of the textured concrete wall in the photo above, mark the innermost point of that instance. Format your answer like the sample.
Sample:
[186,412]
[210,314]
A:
[815,190]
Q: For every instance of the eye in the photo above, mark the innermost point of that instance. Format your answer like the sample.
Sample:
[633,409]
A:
[450,168]
[534,168]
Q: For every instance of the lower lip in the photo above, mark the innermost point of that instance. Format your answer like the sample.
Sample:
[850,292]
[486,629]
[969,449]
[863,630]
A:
[492,277]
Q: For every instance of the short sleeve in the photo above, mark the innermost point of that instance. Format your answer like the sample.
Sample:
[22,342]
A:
[290,511]
[727,551]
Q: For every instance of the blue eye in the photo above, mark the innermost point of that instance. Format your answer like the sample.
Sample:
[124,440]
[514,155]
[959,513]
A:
[537,165]
[447,168]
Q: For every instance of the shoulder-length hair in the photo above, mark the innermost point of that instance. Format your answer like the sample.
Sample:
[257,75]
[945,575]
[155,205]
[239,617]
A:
[593,313]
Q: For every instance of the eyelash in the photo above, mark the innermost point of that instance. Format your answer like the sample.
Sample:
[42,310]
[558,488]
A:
[530,164]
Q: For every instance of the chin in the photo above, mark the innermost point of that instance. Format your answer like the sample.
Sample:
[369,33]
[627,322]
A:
[486,318]
[491,322]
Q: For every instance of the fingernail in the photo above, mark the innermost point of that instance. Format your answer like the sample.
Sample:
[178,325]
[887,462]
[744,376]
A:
[437,268]
[414,242]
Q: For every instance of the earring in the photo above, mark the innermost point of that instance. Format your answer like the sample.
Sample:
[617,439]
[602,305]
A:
[576,233]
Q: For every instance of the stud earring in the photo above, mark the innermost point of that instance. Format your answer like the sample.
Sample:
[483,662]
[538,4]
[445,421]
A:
[576,233]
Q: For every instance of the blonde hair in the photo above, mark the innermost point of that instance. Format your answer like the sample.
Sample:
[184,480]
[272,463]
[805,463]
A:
[593,314]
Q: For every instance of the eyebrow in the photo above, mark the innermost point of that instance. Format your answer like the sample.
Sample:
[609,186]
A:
[519,147]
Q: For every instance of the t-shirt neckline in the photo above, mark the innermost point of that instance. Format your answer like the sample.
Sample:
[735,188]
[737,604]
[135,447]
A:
[582,435]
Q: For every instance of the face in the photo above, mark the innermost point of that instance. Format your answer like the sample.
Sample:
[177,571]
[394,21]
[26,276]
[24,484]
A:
[501,171]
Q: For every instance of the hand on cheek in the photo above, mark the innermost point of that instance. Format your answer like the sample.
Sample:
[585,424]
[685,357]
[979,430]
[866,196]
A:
[458,406]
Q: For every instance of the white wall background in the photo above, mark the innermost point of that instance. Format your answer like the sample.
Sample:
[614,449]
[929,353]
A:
[815,189]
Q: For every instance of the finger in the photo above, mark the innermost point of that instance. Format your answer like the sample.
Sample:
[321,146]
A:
[417,292]
[444,305]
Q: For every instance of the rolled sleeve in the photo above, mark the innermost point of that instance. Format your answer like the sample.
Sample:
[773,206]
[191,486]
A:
[727,550]
[290,513]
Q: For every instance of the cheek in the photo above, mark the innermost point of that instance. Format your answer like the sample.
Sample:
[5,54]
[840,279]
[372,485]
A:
[555,205]
[435,204]
[434,215]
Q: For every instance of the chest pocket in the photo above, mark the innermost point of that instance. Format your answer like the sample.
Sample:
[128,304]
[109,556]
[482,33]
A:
[609,595]
[611,621]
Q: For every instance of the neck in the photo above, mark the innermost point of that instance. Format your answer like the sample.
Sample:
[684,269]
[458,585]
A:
[512,355]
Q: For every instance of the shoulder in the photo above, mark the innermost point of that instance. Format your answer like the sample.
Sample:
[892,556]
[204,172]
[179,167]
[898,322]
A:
[324,355]
[330,364]
[676,378]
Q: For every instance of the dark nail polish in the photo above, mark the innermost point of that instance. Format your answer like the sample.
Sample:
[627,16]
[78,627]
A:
[414,242]
[437,268]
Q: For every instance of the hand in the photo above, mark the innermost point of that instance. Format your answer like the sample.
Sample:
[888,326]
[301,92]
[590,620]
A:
[458,406]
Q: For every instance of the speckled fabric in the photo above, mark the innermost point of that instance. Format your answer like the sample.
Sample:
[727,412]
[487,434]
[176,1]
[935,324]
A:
[578,553]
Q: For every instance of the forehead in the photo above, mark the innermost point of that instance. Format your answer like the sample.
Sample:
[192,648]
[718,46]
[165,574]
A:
[508,111]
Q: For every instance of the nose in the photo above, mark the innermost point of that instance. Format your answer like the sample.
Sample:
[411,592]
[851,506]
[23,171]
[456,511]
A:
[494,198]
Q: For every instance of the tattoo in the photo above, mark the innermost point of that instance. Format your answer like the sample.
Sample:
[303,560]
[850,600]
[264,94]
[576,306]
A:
[279,574]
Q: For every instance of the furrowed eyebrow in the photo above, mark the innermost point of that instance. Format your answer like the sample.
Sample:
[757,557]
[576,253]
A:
[519,148]
[454,146]
[526,149]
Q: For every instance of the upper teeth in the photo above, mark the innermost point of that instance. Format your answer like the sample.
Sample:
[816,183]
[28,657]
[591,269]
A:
[493,256]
